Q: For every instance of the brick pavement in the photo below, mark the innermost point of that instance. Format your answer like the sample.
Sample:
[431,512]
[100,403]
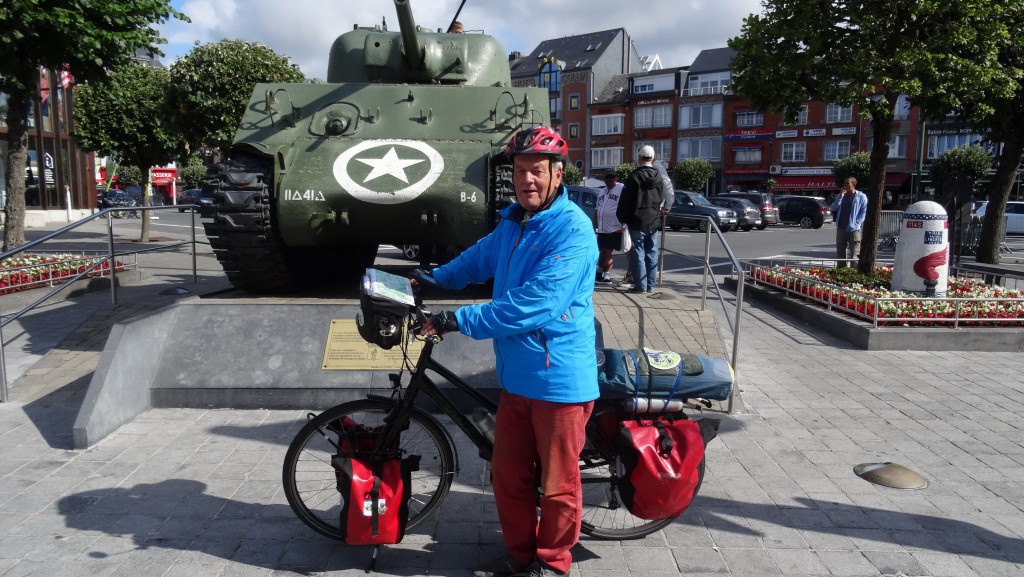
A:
[197,492]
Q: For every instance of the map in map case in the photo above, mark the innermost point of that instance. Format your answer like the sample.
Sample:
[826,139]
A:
[385,285]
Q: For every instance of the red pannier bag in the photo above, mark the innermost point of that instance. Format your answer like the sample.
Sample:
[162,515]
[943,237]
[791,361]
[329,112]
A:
[658,464]
[375,486]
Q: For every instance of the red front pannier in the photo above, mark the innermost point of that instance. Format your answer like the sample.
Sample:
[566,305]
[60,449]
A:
[375,486]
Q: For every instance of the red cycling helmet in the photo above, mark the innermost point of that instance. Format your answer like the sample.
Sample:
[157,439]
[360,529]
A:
[538,140]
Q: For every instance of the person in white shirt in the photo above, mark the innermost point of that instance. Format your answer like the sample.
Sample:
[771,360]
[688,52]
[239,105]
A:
[609,229]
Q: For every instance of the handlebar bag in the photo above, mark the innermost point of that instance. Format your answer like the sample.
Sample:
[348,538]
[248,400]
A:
[380,321]
[658,464]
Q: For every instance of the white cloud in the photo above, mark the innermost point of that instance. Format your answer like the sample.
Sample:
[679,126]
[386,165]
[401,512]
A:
[305,29]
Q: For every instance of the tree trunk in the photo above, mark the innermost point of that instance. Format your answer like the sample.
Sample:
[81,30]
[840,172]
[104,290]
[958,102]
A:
[994,227]
[881,126]
[17,160]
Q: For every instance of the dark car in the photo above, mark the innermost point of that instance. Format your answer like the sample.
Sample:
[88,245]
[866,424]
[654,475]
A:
[585,198]
[807,211]
[690,208]
[763,200]
[189,196]
[747,215]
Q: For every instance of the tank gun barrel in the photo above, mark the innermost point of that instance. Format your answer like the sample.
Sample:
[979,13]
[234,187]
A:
[410,39]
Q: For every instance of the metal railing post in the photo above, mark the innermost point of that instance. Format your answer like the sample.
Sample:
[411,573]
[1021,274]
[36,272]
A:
[195,276]
[113,263]
[3,368]
[736,341]
[707,265]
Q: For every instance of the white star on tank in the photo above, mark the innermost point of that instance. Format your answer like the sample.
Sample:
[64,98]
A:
[389,164]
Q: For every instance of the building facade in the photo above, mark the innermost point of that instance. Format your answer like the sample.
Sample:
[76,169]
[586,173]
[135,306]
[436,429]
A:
[59,175]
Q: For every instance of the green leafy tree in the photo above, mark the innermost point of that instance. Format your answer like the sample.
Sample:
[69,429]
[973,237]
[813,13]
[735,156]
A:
[865,54]
[571,175]
[124,117]
[212,85]
[129,175]
[1001,118]
[692,173]
[967,163]
[770,184]
[624,170]
[857,165]
[194,172]
[87,38]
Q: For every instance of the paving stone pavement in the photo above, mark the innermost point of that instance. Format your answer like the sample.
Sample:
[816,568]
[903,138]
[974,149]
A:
[194,492]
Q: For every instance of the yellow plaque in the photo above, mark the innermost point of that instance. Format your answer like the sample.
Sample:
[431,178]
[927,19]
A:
[347,351]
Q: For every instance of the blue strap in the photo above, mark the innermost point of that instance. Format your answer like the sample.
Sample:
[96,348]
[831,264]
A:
[679,379]
[636,382]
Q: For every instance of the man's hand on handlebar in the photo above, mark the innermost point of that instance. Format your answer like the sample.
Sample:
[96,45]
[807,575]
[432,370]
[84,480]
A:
[423,278]
[439,324]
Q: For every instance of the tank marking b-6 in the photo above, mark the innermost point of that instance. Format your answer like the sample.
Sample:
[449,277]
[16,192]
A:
[388,168]
[290,194]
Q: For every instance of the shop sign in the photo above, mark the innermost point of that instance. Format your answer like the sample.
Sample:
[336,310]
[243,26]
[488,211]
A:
[814,132]
[786,133]
[652,101]
[804,183]
[48,169]
[844,131]
[162,175]
[808,170]
[753,134]
[744,171]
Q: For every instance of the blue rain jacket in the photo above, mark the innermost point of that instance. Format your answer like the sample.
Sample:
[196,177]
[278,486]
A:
[541,315]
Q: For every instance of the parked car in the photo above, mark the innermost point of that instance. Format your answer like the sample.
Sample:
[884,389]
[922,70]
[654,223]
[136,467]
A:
[763,200]
[585,198]
[189,196]
[690,208]
[747,215]
[1014,216]
[807,211]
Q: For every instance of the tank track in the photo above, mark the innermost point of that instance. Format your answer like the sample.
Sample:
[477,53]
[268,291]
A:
[242,232]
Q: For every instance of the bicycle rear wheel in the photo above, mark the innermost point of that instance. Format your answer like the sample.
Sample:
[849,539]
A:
[310,483]
[604,514]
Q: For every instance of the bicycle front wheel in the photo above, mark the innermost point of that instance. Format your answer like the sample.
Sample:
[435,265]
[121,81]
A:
[310,482]
[604,514]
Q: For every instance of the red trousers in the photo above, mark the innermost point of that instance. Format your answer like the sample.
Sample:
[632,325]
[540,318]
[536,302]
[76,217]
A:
[531,433]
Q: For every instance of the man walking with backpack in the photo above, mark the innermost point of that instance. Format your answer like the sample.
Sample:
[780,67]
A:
[643,195]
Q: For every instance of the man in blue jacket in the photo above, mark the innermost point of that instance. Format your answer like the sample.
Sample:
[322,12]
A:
[542,258]
[850,207]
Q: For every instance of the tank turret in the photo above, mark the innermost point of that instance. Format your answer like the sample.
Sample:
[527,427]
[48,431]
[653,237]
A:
[401,146]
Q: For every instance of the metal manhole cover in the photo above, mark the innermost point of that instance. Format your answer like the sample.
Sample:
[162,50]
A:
[890,475]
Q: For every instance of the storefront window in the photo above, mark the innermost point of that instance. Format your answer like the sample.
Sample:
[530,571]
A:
[50,176]
[45,100]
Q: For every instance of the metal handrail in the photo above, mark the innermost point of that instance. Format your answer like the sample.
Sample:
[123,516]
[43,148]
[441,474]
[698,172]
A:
[110,257]
[734,322]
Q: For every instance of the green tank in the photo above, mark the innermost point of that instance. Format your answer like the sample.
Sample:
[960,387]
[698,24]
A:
[402,146]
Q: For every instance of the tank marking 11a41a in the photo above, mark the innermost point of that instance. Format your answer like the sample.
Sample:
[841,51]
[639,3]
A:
[384,164]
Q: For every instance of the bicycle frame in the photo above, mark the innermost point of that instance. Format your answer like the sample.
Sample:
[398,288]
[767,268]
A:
[421,383]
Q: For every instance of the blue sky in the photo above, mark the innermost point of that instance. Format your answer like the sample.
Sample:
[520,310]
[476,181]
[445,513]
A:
[676,30]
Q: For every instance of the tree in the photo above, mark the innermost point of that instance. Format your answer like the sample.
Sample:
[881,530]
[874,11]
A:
[129,175]
[857,165]
[957,171]
[86,38]
[692,173]
[865,54]
[124,117]
[194,172]
[624,170]
[212,85]
[1001,118]
[571,174]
